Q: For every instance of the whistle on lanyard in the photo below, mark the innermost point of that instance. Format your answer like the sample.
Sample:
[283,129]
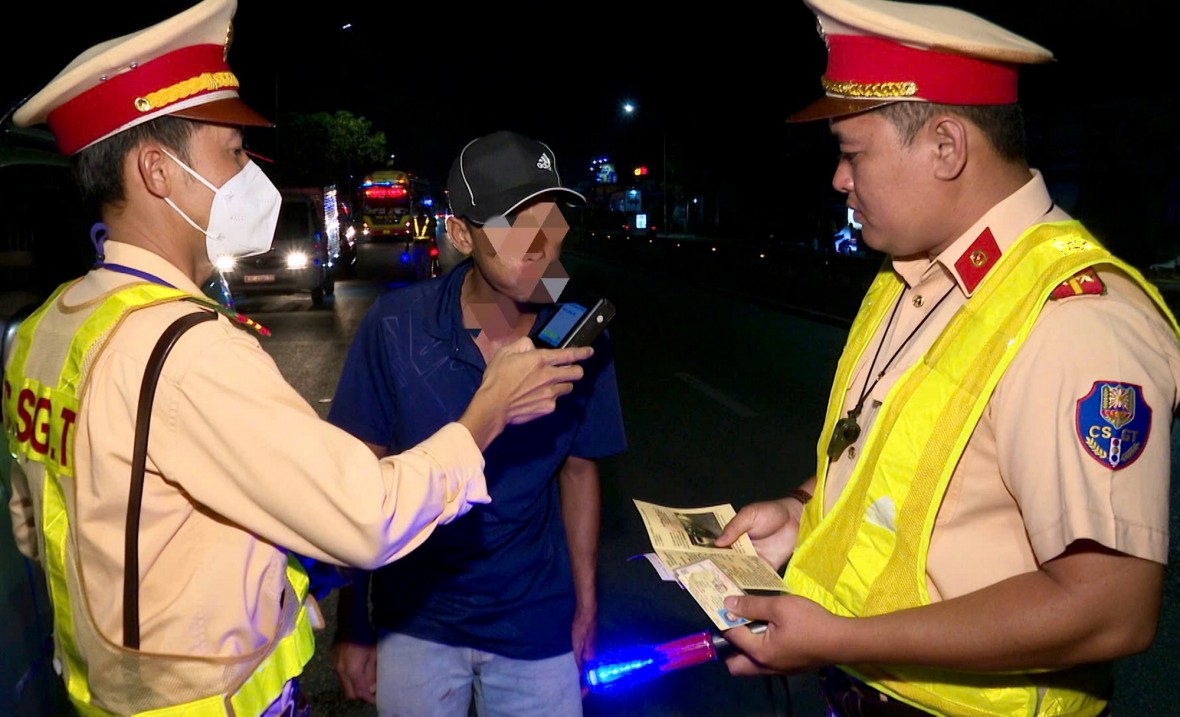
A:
[617,670]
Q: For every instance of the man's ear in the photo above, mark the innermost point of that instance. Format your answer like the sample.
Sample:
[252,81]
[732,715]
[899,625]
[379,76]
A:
[151,168]
[459,234]
[949,135]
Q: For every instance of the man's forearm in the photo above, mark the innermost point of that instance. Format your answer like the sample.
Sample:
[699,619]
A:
[1090,605]
[483,419]
[581,503]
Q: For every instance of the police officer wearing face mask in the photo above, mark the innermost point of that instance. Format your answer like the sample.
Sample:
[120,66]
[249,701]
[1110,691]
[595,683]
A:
[176,594]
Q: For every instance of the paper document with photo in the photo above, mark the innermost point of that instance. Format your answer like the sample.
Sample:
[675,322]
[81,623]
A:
[709,586]
[683,536]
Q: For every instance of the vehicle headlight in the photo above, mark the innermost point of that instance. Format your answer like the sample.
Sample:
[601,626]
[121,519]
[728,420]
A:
[296,260]
[225,263]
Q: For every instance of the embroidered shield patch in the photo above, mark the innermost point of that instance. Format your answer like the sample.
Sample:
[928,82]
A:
[1113,422]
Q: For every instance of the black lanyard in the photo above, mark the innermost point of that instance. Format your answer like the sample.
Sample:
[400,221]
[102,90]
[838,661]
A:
[847,430]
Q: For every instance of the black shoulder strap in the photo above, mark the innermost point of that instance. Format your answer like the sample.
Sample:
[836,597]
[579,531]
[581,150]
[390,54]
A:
[143,420]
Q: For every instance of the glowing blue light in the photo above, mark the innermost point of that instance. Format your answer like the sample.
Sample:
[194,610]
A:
[605,675]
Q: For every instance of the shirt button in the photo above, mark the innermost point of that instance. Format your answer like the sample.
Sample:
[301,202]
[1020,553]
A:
[918,301]
[851,452]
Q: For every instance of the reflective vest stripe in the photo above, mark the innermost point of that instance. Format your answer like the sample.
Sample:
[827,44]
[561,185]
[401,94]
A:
[868,555]
[86,709]
[54,517]
[55,527]
[285,662]
[877,302]
[20,353]
[20,418]
[291,652]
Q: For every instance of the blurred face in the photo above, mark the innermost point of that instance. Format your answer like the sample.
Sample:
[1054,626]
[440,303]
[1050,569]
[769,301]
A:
[514,253]
[888,184]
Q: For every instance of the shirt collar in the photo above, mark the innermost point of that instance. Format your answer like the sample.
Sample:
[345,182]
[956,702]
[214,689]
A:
[970,257]
[448,313]
[116,252]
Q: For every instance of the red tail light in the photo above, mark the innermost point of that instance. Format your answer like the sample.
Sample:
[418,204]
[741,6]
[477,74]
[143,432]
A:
[379,192]
[433,252]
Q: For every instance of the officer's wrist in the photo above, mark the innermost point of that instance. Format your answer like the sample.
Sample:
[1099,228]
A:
[800,495]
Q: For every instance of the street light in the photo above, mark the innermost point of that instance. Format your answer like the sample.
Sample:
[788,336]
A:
[629,109]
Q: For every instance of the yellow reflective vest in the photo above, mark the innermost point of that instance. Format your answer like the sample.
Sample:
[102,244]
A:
[44,391]
[868,555]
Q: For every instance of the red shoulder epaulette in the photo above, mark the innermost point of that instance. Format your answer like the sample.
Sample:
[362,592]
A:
[241,319]
[1083,282]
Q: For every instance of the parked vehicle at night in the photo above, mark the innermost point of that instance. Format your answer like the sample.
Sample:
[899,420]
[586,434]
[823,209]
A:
[302,258]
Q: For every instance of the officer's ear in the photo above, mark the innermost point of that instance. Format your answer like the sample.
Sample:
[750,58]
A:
[948,134]
[149,165]
[459,233]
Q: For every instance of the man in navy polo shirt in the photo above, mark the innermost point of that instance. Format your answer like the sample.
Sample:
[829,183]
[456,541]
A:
[498,607]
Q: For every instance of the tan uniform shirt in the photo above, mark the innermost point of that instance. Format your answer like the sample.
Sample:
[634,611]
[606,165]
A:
[1026,486]
[238,463]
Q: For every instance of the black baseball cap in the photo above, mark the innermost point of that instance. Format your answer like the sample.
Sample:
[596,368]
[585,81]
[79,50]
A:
[497,173]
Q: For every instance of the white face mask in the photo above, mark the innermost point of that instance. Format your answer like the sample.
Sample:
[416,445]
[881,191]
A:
[244,214]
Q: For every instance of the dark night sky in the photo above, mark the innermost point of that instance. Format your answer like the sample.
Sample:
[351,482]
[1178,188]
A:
[716,80]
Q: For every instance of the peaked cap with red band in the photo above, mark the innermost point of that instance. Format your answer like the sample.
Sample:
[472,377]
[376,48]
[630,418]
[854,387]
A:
[175,67]
[881,52]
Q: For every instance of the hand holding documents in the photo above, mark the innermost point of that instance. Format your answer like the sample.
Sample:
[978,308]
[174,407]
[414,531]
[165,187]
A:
[683,536]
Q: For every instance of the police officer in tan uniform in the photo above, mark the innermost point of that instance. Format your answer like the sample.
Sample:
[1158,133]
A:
[991,491]
[200,611]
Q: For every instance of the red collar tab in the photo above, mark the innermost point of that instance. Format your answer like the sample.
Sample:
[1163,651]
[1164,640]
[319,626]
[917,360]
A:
[863,67]
[141,93]
[1083,282]
[977,260]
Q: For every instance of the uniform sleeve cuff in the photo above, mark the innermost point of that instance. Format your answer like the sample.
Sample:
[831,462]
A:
[1121,535]
[453,448]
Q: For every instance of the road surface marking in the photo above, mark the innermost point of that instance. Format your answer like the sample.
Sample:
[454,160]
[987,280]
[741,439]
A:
[716,395]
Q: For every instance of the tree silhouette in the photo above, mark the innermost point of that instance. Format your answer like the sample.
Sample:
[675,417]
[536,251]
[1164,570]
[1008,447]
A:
[324,148]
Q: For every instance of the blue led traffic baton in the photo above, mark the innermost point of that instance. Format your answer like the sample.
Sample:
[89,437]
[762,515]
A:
[620,669]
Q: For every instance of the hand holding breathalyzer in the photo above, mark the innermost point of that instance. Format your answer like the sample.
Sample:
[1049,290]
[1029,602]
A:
[521,383]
